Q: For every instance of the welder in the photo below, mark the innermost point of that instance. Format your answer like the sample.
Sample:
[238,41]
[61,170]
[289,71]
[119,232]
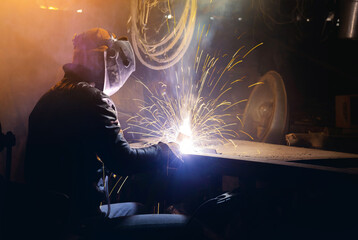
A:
[74,130]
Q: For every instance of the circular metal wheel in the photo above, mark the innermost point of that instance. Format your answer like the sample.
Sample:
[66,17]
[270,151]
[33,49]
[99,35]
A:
[265,115]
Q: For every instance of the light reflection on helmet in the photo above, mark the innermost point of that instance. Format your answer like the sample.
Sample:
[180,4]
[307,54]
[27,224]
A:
[110,60]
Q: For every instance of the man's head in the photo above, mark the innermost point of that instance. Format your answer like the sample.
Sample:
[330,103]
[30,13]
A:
[110,60]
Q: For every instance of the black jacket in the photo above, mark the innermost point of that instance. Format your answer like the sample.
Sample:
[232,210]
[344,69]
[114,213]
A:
[69,127]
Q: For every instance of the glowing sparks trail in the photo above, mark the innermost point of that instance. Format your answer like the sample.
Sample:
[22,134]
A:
[193,110]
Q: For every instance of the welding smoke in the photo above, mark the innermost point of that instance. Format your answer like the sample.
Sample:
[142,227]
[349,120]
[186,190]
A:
[35,42]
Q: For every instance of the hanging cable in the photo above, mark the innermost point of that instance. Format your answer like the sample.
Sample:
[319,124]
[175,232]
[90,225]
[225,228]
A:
[166,52]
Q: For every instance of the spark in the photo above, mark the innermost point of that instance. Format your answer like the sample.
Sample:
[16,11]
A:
[258,83]
[119,189]
[247,134]
[52,8]
[193,109]
[252,49]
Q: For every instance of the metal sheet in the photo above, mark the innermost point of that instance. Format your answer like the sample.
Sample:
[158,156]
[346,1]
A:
[239,153]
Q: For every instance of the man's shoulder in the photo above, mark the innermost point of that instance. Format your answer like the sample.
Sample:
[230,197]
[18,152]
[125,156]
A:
[88,88]
[94,95]
[79,92]
[76,89]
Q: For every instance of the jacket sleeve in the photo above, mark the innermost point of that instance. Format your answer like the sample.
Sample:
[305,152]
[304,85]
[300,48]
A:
[111,146]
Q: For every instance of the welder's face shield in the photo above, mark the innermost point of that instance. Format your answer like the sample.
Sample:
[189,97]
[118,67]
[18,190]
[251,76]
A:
[119,63]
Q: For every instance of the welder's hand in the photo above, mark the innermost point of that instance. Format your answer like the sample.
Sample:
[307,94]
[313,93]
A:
[171,152]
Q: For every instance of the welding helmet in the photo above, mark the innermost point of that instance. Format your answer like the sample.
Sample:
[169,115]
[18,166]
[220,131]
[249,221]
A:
[109,60]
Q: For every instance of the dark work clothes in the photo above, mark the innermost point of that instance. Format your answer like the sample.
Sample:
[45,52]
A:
[69,127]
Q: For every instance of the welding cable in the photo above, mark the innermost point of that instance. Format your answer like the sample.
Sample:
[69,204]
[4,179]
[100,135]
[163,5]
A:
[105,182]
[207,202]
[222,198]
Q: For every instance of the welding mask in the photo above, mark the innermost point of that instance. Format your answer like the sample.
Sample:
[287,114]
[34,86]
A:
[109,60]
[119,63]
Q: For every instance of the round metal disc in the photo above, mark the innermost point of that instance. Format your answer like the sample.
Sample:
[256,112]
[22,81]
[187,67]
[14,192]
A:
[265,114]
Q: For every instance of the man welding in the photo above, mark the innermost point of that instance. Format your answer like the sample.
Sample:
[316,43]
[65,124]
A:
[74,129]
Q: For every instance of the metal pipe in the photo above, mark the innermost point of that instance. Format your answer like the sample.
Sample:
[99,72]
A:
[348,19]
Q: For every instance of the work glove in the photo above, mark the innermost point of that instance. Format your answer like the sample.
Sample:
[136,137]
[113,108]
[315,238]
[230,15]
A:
[171,152]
